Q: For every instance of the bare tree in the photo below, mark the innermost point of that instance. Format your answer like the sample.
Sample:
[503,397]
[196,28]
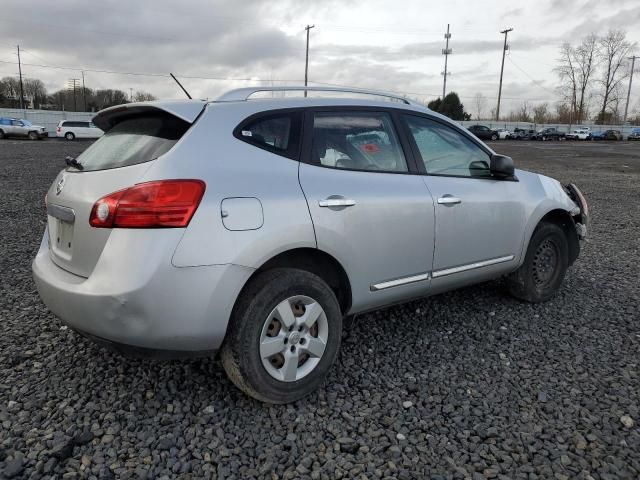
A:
[141,96]
[564,113]
[585,60]
[540,113]
[576,66]
[567,70]
[10,87]
[613,52]
[35,91]
[524,112]
[480,102]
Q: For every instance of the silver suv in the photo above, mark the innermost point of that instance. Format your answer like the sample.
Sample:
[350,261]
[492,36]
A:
[14,127]
[253,226]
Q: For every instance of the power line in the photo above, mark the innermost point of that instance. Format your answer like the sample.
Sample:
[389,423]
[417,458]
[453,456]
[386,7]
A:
[145,74]
[244,79]
[537,82]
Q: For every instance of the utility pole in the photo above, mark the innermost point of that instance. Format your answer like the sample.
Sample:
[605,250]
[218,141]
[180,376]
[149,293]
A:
[21,86]
[446,51]
[504,51]
[626,108]
[306,62]
[131,94]
[73,84]
[84,95]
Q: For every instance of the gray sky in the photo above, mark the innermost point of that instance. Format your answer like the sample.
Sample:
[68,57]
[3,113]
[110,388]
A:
[387,45]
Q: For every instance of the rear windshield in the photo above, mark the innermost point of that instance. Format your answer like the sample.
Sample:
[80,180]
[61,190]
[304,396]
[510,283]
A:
[134,140]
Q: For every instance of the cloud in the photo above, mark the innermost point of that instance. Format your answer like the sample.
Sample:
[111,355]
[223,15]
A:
[359,43]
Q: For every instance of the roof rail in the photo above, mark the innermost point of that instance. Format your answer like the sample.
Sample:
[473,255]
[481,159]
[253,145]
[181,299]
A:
[242,94]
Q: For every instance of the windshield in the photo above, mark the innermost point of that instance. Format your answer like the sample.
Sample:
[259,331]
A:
[134,140]
[26,123]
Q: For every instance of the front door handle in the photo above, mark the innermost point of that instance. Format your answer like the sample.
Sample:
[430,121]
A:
[449,200]
[336,202]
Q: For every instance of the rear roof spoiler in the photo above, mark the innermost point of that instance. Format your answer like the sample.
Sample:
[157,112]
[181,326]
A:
[187,110]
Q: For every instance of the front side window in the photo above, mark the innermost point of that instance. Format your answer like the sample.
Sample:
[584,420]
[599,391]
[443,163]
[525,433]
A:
[445,151]
[357,141]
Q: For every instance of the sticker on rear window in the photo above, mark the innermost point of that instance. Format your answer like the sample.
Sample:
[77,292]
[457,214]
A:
[247,133]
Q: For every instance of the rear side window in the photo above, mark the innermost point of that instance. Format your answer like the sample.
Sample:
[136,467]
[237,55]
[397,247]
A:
[357,141]
[76,124]
[134,140]
[278,133]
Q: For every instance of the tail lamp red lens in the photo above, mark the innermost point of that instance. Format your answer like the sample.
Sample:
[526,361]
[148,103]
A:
[160,204]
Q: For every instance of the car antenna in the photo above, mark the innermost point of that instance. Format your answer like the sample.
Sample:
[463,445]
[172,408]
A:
[183,89]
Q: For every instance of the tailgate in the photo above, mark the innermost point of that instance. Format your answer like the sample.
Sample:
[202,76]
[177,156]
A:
[74,244]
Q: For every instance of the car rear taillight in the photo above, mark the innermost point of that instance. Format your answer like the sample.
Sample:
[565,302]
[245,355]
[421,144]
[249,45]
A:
[58,130]
[159,204]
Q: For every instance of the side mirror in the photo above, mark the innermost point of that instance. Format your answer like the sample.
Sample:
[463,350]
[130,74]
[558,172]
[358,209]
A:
[501,166]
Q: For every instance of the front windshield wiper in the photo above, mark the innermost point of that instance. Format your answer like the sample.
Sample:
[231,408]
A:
[72,162]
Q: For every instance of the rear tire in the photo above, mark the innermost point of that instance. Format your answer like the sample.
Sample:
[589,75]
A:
[274,309]
[545,264]
[69,136]
[1,134]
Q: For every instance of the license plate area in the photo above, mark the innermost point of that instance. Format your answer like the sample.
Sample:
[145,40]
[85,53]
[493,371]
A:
[61,220]
[63,241]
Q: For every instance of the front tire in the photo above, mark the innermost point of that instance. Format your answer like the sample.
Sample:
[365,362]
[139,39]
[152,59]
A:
[545,264]
[32,136]
[494,137]
[283,336]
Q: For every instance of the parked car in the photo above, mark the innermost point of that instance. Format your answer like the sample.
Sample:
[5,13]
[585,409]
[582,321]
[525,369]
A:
[503,133]
[195,226]
[72,129]
[607,135]
[523,134]
[578,135]
[15,127]
[484,133]
[634,135]
[549,133]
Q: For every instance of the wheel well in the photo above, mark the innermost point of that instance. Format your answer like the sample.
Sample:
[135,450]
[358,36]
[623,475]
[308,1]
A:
[319,263]
[564,220]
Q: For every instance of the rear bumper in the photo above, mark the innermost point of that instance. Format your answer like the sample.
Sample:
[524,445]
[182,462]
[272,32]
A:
[162,308]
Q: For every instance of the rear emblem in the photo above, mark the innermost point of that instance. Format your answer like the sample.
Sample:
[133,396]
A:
[59,186]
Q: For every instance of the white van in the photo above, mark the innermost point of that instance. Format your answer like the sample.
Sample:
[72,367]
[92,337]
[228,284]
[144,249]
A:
[72,129]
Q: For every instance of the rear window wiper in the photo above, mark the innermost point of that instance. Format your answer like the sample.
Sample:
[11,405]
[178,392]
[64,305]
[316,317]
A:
[72,162]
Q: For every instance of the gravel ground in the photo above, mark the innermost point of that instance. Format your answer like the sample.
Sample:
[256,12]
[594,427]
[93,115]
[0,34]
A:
[470,384]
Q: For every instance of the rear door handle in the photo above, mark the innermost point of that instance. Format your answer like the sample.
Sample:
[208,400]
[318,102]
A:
[449,200]
[336,202]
